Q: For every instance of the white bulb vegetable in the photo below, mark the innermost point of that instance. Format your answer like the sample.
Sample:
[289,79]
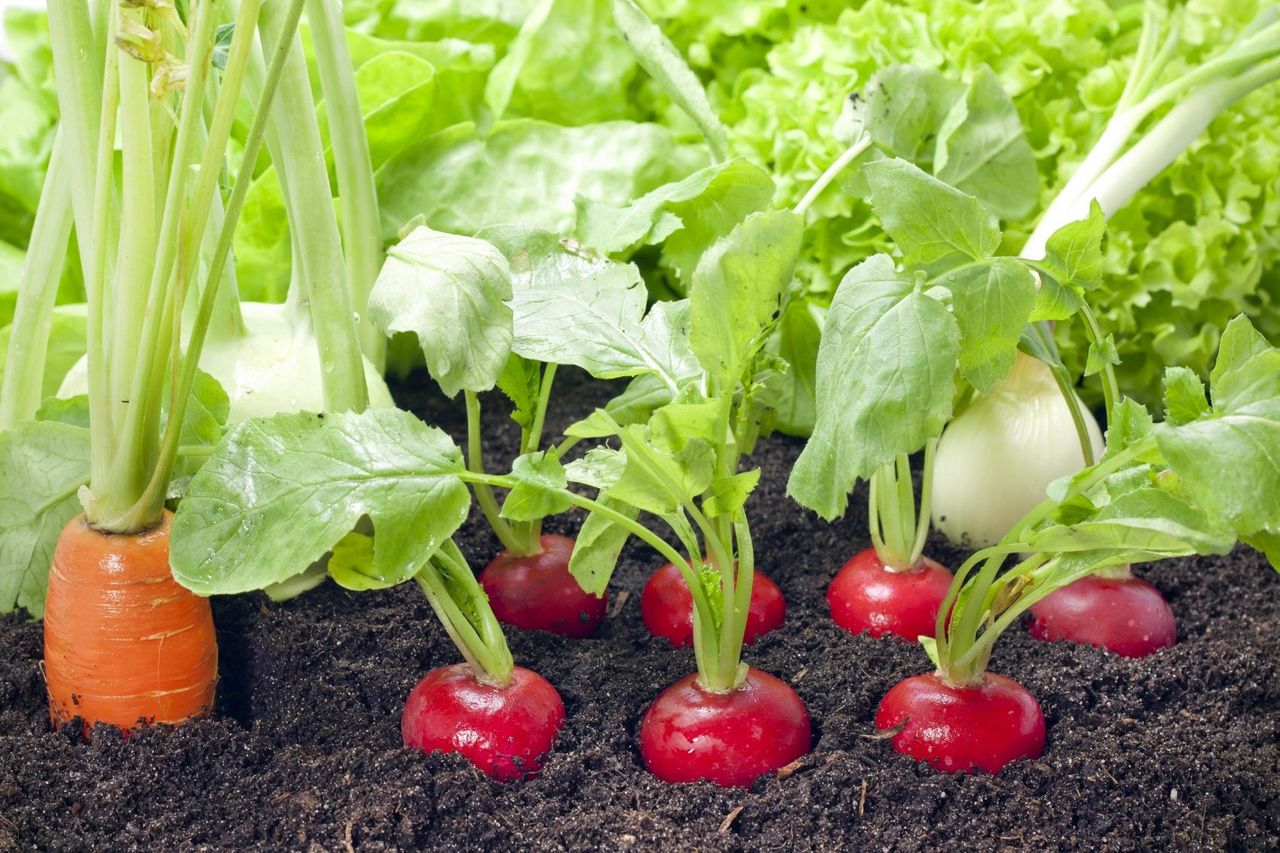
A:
[996,460]
[274,367]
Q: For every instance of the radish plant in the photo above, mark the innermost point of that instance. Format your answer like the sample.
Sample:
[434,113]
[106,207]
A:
[1204,478]
[476,310]
[899,347]
[682,465]
[262,509]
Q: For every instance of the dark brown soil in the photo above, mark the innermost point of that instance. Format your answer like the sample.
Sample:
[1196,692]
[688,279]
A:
[1179,751]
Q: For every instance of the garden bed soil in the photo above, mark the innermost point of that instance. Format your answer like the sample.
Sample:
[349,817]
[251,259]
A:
[1178,751]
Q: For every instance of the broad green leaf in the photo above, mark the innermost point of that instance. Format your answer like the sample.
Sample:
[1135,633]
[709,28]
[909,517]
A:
[935,226]
[451,292]
[222,45]
[686,216]
[663,62]
[539,488]
[1073,253]
[525,171]
[597,546]
[729,494]
[673,426]
[885,383]
[505,75]
[739,290]
[638,401]
[1184,396]
[598,424]
[1055,301]
[1130,423]
[397,91]
[203,422]
[1230,460]
[906,106]
[991,303]
[572,306]
[1239,344]
[280,492]
[1268,544]
[42,467]
[568,64]
[65,410]
[982,149]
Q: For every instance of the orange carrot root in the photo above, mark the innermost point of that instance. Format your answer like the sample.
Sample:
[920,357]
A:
[123,643]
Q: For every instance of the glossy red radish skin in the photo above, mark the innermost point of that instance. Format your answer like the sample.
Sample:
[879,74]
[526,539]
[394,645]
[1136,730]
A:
[963,729]
[690,734]
[537,593]
[505,731]
[1127,616]
[667,607]
[867,596]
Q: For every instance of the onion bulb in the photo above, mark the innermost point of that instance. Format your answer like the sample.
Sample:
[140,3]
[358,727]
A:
[996,460]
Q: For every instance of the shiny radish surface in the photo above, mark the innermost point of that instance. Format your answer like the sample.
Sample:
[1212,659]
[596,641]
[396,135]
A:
[690,734]
[505,731]
[667,607]
[1127,616]
[867,596]
[963,729]
[123,643]
[537,593]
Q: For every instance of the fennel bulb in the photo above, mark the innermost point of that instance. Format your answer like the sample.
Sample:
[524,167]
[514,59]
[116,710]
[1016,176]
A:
[273,367]
[996,460]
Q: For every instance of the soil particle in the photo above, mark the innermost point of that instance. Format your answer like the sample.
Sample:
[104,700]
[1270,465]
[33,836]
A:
[1178,751]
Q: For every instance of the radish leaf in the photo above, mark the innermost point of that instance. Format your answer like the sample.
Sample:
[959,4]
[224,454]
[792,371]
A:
[280,492]
[936,226]
[886,368]
[739,291]
[452,293]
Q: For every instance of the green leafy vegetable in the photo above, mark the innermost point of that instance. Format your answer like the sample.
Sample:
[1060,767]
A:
[301,483]
[451,292]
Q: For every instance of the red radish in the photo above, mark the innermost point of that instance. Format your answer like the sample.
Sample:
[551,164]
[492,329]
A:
[1124,614]
[867,595]
[961,729]
[506,731]
[667,607]
[537,593]
[732,738]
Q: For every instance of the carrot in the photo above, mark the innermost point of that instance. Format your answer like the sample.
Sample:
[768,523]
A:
[123,643]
